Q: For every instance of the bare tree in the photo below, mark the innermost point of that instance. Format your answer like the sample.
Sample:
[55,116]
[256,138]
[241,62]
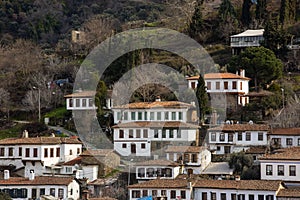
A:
[5,101]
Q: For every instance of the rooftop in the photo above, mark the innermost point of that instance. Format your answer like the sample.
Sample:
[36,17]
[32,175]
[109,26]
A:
[156,104]
[289,192]
[161,183]
[188,149]
[249,33]
[256,150]
[81,94]
[292,153]
[147,124]
[241,127]
[38,180]
[267,185]
[97,152]
[216,168]
[73,162]
[285,131]
[40,140]
[219,76]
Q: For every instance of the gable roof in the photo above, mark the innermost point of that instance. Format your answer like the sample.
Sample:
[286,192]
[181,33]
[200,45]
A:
[219,76]
[38,180]
[289,192]
[153,124]
[161,183]
[187,149]
[266,185]
[155,104]
[292,153]
[249,33]
[81,94]
[285,131]
[40,140]
[241,127]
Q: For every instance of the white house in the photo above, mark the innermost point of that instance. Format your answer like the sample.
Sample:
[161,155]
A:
[233,87]
[248,38]
[20,188]
[82,100]
[236,190]
[145,128]
[157,169]
[161,188]
[282,164]
[230,138]
[39,154]
[284,137]
[194,158]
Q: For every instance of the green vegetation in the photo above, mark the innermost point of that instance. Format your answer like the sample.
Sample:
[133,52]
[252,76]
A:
[13,131]
[202,98]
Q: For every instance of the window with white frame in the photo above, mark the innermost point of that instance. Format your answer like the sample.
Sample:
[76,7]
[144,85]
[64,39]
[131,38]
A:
[260,136]
[269,170]
[248,136]
[222,137]
[213,137]
[280,170]
[289,141]
[292,170]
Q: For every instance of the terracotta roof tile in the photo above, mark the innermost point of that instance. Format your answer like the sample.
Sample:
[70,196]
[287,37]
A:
[96,152]
[256,150]
[38,180]
[292,153]
[156,104]
[147,124]
[239,185]
[289,192]
[161,183]
[188,149]
[219,76]
[241,127]
[81,94]
[73,162]
[40,140]
[285,131]
[157,163]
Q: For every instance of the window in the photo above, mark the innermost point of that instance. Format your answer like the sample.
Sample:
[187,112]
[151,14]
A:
[223,196]
[208,85]
[171,133]
[125,115]
[230,137]
[178,133]
[35,152]
[179,115]
[217,85]
[20,151]
[124,146]
[292,170]
[233,196]
[136,194]
[280,170]
[158,115]
[213,137]
[150,172]
[193,85]
[269,170]
[52,153]
[141,172]
[132,115]
[70,152]
[83,102]
[204,195]
[138,133]
[269,197]
[145,193]
[154,193]
[234,85]
[145,133]
[46,153]
[182,194]
[173,115]
[71,192]
[58,152]
[166,115]
[261,197]
[151,115]
[1,151]
[118,115]
[78,151]
[163,193]
[173,194]
[42,191]
[222,137]
[241,85]
[241,197]
[27,152]
[77,102]
[225,85]
[68,169]
[121,133]
[251,197]
[155,133]
[10,151]
[140,115]
[298,141]
[248,136]
[163,133]
[213,196]
[71,102]
[194,158]
[240,136]
[91,102]
[23,193]
[52,191]
[61,193]
[260,136]
[130,133]
[143,146]
[145,116]
[289,141]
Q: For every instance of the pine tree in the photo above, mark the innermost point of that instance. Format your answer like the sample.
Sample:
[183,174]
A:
[202,98]
[288,11]
[196,25]
[246,14]
[226,10]
[261,10]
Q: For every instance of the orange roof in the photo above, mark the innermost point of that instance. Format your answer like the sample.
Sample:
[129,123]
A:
[188,149]
[73,162]
[219,76]
[285,131]
[147,124]
[81,94]
[40,140]
[239,185]
[241,127]
[289,192]
[157,163]
[156,104]
[38,180]
[292,153]
[161,183]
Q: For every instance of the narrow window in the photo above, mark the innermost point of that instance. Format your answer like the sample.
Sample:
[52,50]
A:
[35,152]
[217,85]
[46,153]
[166,115]
[58,152]
[27,152]
[10,151]
[280,170]
[240,136]
[145,133]
[20,151]
[248,136]
[225,85]
[138,133]
[213,137]
[269,170]
[292,170]
[158,115]
[130,133]
[51,152]
[234,85]
[208,85]
[132,115]
[143,146]
[140,116]
[260,136]
[121,133]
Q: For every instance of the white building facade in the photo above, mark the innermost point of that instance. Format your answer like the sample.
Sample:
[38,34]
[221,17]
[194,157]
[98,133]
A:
[82,100]
[284,137]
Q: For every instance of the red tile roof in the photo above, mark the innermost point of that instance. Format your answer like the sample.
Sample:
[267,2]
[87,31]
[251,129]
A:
[38,180]
[81,94]
[156,104]
[219,76]
[239,185]
[157,163]
[241,127]
[40,140]
[285,131]
[256,150]
[289,193]
[147,124]
[73,162]
[161,183]
[292,153]
[97,152]
[188,149]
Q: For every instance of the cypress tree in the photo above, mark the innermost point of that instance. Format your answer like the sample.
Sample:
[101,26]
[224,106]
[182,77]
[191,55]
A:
[202,98]
[246,15]
[196,25]
[261,10]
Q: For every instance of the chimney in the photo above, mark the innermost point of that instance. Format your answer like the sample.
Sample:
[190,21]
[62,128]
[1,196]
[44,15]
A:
[31,175]
[237,178]
[52,135]
[25,134]
[6,174]
[242,72]
[158,98]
